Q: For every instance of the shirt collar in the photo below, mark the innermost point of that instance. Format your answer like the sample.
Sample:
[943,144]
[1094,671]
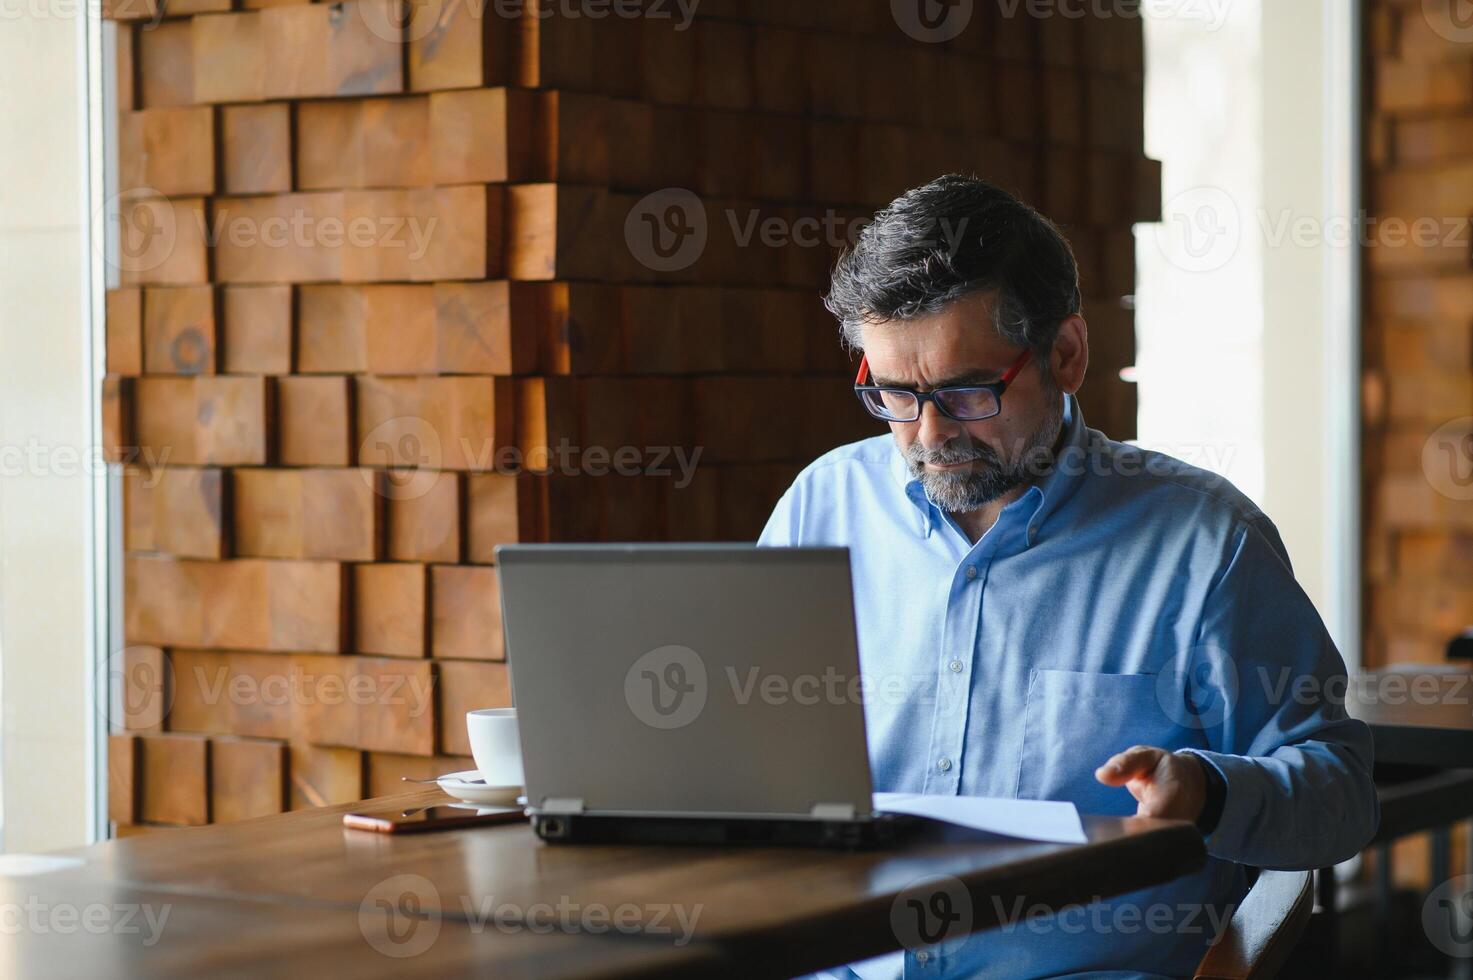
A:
[1043,498]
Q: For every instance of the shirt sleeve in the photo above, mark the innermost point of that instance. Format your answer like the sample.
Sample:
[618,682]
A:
[1297,768]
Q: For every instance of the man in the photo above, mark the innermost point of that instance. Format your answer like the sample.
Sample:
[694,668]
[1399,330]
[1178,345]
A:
[1071,618]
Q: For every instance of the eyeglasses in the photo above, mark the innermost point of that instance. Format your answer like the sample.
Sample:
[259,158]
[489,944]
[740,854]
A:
[963,403]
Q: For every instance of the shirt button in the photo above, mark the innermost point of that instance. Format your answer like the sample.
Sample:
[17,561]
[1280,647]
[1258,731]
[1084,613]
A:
[971,571]
[944,764]
[922,956]
[956,666]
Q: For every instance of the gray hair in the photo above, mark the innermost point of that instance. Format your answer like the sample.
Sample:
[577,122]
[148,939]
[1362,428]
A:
[947,239]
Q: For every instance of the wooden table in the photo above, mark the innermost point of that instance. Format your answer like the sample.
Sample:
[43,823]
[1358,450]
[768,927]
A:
[299,892]
[1420,716]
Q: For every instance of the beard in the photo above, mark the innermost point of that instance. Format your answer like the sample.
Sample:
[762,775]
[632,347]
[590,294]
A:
[990,475]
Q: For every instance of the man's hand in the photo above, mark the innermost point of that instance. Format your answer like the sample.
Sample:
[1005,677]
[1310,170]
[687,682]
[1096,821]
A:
[1163,784]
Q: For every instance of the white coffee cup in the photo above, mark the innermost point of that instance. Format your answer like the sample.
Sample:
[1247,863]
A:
[495,745]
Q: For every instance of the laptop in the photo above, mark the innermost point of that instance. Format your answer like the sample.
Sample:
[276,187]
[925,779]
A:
[689,692]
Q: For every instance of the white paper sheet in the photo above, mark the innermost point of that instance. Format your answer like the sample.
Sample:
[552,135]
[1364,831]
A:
[1045,820]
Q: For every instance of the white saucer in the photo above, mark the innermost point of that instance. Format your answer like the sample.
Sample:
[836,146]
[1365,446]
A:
[455,784]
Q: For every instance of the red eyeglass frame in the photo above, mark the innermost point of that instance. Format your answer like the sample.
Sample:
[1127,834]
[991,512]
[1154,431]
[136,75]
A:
[998,387]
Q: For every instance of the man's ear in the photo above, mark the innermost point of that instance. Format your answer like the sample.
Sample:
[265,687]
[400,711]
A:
[1070,356]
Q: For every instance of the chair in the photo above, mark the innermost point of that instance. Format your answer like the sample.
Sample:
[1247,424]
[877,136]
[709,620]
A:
[1263,930]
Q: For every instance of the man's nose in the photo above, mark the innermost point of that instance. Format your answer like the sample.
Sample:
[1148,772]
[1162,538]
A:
[935,429]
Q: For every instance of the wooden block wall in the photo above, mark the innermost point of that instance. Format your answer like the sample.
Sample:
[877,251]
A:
[376,280]
[1418,337]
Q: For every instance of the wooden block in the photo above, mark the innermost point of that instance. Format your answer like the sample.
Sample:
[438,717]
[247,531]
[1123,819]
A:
[322,776]
[232,693]
[316,420]
[501,508]
[174,511]
[256,145]
[122,779]
[331,331]
[161,241]
[125,331]
[483,135]
[257,331]
[1428,141]
[466,687]
[179,330]
[386,770]
[399,329]
[391,610]
[382,704]
[176,779]
[167,151]
[724,64]
[610,410]
[324,712]
[396,142]
[692,508]
[165,55]
[247,779]
[1406,86]
[241,605]
[399,714]
[285,238]
[465,613]
[118,402]
[577,325]
[481,329]
[669,65]
[423,234]
[572,140]
[454,46]
[314,513]
[556,231]
[556,48]
[363,143]
[144,686]
[424,525]
[778,85]
[352,48]
[229,63]
[218,421]
[546,420]
[452,423]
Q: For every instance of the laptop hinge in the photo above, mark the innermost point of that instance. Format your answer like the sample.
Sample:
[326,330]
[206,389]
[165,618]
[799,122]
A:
[562,805]
[832,811]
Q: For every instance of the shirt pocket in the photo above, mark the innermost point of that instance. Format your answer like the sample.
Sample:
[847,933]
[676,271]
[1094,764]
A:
[1074,721]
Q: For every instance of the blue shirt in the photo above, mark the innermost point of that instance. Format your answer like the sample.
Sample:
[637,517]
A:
[1126,598]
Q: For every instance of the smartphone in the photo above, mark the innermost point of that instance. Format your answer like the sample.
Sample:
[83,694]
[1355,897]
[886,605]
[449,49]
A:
[440,816]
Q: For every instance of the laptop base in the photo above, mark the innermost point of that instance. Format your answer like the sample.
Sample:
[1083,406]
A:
[883,830]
